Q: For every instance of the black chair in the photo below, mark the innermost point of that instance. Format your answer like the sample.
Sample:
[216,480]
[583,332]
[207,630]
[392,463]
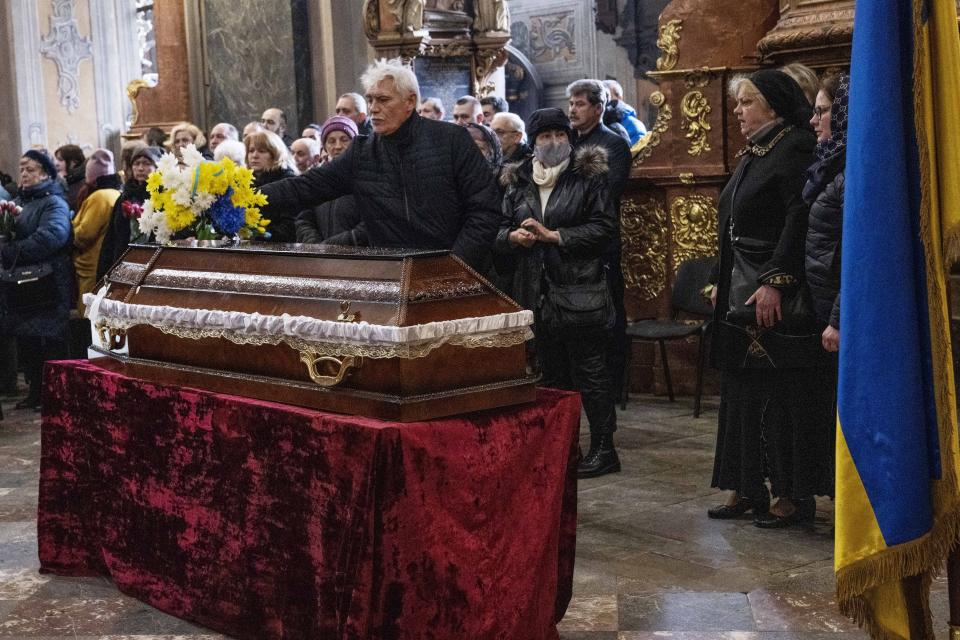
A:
[686,297]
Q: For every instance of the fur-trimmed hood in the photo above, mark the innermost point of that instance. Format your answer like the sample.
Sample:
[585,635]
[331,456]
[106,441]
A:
[590,161]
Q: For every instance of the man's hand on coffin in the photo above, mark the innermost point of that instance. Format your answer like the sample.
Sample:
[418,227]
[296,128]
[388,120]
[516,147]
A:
[541,232]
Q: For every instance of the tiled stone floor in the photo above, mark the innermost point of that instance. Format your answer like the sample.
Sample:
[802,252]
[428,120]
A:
[650,564]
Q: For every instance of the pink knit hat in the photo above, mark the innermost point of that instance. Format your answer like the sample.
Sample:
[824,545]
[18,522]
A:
[338,123]
[100,163]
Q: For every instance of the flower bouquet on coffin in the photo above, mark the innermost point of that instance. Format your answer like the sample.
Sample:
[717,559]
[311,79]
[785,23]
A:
[8,220]
[204,199]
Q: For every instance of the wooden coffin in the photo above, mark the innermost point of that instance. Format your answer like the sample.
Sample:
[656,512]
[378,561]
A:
[392,334]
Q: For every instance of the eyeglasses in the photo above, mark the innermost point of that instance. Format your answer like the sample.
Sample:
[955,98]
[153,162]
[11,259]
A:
[819,111]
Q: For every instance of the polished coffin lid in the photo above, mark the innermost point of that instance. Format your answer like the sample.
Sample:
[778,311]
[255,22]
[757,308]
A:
[326,304]
[347,301]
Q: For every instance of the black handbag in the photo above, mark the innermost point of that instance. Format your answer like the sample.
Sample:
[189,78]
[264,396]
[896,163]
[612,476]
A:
[577,307]
[749,256]
[28,289]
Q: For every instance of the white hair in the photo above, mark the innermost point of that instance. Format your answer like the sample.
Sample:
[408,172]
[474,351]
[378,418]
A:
[233,149]
[230,131]
[359,103]
[402,75]
[615,89]
[515,121]
[312,145]
[743,81]
[435,104]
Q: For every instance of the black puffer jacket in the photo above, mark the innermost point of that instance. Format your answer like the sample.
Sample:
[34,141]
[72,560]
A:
[579,208]
[331,223]
[823,252]
[425,186]
[282,219]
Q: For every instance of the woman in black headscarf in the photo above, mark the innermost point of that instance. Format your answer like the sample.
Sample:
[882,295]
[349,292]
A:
[489,145]
[764,340]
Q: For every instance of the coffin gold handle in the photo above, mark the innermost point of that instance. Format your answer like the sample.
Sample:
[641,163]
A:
[343,366]
[112,339]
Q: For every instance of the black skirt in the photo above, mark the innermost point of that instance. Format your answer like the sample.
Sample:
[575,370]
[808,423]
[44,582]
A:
[778,424]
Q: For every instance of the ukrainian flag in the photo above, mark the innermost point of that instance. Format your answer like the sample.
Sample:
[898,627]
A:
[898,501]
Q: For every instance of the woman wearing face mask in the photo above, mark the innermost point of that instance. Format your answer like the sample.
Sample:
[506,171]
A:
[557,220]
[42,237]
[338,221]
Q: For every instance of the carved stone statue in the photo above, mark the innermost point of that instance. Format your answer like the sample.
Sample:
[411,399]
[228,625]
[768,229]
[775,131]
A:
[413,16]
[491,16]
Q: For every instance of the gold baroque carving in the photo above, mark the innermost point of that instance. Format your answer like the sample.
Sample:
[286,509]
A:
[487,61]
[694,220]
[687,178]
[645,145]
[643,229]
[695,108]
[698,78]
[827,35]
[133,90]
[449,50]
[668,41]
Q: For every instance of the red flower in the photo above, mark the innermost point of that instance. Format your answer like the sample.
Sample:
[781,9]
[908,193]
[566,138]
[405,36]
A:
[7,206]
[131,209]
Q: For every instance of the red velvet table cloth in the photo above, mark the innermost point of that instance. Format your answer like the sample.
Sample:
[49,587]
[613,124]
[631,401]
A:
[265,521]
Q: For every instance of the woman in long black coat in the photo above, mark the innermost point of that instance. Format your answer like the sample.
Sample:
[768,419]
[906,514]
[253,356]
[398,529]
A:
[42,237]
[767,354]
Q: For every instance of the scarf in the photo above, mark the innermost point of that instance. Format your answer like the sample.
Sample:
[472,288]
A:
[546,179]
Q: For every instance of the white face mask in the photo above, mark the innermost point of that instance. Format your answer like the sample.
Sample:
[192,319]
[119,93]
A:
[552,153]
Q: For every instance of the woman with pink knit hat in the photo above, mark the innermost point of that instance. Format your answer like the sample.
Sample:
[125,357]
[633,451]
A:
[336,134]
[338,221]
[100,192]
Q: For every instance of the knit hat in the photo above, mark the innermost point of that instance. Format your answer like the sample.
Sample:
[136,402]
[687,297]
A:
[549,119]
[784,96]
[100,163]
[153,154]
[43,160]
[338,123]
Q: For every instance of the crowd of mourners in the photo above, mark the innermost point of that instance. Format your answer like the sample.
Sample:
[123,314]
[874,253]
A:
[534,207]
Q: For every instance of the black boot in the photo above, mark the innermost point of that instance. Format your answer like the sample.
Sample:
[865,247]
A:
[600,460]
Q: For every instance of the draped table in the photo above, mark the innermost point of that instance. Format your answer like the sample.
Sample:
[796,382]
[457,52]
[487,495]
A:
[268,521]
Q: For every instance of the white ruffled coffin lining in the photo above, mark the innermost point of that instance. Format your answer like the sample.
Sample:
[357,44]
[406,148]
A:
[305,332]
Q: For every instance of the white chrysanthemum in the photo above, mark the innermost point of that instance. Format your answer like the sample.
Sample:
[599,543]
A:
[150,218]
[182,196]
[191,157]
[202,202]
[163,232]
[168,165]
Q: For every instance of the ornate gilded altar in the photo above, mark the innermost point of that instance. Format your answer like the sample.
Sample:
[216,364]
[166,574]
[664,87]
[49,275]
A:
[477,30]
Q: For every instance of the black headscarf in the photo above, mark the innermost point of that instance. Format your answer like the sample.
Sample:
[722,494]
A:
[784,96]
[495,158]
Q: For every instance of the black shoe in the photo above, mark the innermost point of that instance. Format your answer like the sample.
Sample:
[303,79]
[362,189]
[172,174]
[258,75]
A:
[738,509]
[601,460]
[803,514]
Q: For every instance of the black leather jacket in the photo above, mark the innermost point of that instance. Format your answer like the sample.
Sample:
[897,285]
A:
[579,208]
